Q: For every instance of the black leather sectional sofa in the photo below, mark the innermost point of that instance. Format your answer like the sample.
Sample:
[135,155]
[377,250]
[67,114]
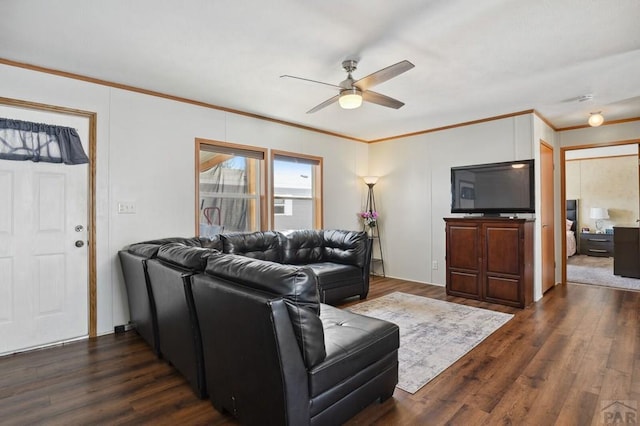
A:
[340,259]
[248,328]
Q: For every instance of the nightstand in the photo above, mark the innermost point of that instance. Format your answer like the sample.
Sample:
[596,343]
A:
[596,244]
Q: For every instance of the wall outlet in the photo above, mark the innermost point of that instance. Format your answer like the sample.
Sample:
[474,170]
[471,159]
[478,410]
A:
[126,207]
[122,328]
[434,265]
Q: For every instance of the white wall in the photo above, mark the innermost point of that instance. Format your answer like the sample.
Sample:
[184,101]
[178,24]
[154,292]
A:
[145,154]
[413,194]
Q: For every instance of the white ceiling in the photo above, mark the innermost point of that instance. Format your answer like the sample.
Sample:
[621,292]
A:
[473,58]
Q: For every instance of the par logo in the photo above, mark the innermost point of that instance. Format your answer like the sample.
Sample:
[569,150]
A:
[619,412]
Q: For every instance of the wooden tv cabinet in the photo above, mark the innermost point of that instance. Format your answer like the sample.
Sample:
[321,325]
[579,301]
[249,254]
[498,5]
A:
[490,259]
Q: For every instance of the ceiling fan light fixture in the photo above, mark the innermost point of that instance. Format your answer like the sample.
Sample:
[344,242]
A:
[350,98]
[596,119]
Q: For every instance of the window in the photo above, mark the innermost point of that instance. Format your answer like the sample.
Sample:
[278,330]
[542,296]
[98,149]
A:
[297,191]
[230,191]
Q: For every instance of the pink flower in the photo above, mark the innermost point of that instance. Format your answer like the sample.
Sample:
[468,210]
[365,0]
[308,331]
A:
[369,218]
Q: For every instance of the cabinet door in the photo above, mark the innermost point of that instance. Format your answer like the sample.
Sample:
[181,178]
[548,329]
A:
[463,260]
[503,252]
[626,260]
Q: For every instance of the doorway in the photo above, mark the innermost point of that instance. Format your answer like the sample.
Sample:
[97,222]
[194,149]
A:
[47,239]
[603,181]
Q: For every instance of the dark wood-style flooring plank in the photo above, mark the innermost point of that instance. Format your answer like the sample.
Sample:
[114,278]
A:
[556,362]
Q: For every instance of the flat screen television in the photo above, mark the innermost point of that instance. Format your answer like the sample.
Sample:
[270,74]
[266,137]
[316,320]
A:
[492,189]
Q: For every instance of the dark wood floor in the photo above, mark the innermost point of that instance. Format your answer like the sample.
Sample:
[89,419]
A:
[556,362]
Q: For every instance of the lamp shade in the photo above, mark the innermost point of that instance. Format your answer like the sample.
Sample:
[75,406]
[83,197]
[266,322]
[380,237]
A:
[595,119]
[350,98]
[370,180]
[598,213]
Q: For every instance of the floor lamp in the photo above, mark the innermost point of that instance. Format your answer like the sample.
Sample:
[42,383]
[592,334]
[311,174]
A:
[375,231]
[371,200]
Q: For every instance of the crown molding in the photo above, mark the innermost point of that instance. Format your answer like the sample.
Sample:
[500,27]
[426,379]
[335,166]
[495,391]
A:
[453,126]
[171,97]
[127,87]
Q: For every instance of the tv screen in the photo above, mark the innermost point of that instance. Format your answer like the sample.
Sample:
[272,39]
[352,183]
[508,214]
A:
[494,188]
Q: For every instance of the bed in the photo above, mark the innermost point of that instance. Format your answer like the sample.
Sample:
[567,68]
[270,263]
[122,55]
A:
[571,226]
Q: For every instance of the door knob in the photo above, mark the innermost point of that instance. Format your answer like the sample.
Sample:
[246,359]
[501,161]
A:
[79,243]
[79,228]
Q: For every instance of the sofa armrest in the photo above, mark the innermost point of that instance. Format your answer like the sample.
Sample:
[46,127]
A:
[253,367]
[190,258]
[142,307]
[149,249]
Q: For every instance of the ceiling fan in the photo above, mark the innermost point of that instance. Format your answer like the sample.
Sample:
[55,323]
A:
[353,92]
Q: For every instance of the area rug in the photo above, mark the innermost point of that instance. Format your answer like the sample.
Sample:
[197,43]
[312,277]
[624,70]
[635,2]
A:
[433,333]
[598,271]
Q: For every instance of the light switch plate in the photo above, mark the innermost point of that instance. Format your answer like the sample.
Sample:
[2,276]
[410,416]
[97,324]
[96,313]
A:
[126,207]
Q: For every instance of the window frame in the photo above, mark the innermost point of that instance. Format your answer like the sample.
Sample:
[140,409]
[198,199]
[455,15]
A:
[262,191]
[317,186]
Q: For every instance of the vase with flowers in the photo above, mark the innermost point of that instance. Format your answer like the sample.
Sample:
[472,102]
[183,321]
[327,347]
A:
[370,219]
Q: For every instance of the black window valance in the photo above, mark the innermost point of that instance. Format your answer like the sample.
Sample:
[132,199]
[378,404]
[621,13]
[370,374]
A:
[24,140]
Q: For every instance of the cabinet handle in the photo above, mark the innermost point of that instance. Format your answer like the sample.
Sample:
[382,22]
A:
[599,240]
[598,250]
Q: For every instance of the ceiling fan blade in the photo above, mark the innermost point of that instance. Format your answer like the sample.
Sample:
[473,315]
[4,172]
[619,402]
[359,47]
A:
[383,75]
[312,81]
[383,100]
[324,104]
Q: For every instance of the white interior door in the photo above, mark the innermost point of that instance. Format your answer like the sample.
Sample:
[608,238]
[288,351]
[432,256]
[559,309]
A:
[43,273]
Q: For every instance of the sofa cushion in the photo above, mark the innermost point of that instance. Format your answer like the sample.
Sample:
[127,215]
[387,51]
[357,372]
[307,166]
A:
[332,275]
[256,245]
[297,285]
[187,257]
[148,251]
[352,343]
[187,241]
[347,247]
[301,247]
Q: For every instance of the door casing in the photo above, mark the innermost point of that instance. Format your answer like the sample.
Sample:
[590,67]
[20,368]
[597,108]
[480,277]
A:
[563,187]
[91,196]
[547,216]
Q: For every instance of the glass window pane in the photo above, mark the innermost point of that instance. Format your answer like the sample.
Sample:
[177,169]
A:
[293,193]
[229,190]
